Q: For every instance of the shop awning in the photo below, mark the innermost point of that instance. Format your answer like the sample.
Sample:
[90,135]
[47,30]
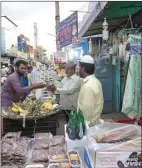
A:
[117,13]
[9,55]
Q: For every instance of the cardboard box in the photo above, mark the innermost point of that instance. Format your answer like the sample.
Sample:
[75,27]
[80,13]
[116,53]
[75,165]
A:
[118,159]
[90,153]
[114,159]
[77,145]
[113,155]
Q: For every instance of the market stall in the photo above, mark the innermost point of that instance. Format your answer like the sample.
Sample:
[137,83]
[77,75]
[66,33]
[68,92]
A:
[82,146]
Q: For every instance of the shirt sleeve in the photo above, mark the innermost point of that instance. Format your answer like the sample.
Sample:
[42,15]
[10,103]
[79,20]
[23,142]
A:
[74,86]
[86,104]
[15,82]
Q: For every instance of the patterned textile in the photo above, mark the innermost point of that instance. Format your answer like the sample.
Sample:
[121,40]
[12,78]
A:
[132,96]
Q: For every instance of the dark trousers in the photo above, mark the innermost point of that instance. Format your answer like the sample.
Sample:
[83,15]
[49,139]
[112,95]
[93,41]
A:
[67,112]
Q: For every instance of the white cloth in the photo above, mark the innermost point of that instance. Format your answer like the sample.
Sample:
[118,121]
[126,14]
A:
[69,90]
[3,72]
[33,76]
[90,100]
[87,59]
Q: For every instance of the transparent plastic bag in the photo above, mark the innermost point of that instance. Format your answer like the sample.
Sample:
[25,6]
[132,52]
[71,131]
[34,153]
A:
[107,132]
[129,146]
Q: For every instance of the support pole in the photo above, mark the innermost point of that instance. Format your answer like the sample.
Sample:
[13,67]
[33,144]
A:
[57,17]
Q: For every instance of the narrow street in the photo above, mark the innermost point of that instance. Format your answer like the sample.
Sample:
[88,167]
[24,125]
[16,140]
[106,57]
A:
[71,84]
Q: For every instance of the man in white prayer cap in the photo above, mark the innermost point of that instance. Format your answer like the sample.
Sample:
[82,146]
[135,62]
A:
[90,100]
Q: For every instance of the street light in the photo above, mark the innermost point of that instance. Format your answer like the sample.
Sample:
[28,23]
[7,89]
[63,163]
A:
[51,35]
[9,20]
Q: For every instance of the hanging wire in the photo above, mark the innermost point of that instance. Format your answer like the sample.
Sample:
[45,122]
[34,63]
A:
[114,21]
[129,20]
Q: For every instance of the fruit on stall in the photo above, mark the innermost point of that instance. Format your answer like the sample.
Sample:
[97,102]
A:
[47,105]
[31,107]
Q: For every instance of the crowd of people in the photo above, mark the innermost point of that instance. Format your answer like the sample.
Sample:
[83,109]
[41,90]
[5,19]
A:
[82,92]
[5,71]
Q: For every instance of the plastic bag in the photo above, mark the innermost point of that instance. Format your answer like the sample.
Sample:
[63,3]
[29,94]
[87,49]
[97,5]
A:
[80,115]
[112,131]
[72,125]
[76,127]
[107,132]
[80,133]
[131,146]
[43,136]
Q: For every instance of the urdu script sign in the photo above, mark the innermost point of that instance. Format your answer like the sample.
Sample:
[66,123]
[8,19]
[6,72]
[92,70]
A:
[67,31]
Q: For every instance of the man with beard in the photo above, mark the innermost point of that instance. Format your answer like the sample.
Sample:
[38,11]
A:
[90,100]
[13,90]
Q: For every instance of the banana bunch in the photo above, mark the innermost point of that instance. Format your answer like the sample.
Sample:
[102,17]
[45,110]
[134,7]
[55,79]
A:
[17,109]
[47,105]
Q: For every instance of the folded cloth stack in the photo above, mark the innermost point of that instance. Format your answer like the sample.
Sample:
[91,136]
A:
[46,144]
[14,150]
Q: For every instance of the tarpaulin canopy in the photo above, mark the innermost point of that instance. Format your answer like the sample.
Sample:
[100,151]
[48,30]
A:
[117,13]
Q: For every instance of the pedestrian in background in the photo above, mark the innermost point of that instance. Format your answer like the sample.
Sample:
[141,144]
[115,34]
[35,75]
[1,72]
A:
[11,70]
[24,79]
[30,69]
[3,71]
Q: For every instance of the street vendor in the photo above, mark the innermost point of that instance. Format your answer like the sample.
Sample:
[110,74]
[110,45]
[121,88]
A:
[90,100]
[68,89]
[13,90]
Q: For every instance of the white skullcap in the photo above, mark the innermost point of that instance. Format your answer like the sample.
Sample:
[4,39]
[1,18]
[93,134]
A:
[3,66]
[87,59]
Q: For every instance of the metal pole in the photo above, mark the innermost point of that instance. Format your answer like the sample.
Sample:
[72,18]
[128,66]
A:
[57,17]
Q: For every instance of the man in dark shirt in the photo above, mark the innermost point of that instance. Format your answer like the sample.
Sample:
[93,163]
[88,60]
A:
[13,90]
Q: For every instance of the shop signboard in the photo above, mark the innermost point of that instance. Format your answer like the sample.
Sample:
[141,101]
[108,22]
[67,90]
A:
[22,55]
[60,56]
[8,40]
[67,31]
[22,43]
[5,60]
[93,10]
[12,51]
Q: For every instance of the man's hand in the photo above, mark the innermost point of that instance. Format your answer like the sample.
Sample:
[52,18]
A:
[39,85]
[51,88]
[48,87]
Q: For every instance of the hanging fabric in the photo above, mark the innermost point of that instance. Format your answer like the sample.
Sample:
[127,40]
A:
[132,95]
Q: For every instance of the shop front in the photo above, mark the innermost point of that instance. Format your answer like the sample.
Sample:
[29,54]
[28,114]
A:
[110,51]
[8,46]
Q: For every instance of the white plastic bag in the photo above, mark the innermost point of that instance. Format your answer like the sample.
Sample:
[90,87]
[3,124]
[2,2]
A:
[106,132]
[129,146]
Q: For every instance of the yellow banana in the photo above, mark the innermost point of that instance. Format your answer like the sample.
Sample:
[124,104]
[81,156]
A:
[48,101]
[14,109]
[23,111]
[14,105]
[48,106]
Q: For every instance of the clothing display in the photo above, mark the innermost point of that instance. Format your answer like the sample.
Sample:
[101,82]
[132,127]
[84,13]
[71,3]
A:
[132,97]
